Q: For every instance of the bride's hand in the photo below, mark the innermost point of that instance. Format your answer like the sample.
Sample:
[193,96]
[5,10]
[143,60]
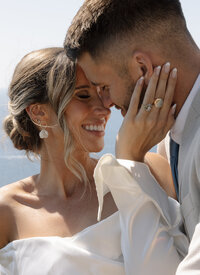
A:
[142,129]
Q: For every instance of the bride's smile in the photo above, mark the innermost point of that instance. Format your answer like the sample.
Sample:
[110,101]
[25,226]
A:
[86,116]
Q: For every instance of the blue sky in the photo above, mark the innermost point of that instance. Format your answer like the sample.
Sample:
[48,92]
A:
[32,24]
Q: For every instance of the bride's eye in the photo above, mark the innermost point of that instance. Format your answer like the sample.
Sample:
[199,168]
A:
[82,95]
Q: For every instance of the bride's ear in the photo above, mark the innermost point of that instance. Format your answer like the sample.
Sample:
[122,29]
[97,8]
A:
[37,112]
[142,65]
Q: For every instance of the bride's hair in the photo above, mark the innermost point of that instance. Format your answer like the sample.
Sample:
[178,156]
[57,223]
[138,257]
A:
[42,76]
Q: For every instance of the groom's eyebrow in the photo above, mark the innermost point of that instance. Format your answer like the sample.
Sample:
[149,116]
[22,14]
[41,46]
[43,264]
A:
[82,87]
[96,84]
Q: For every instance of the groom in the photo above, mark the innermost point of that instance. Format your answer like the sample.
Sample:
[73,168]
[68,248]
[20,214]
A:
[116,42]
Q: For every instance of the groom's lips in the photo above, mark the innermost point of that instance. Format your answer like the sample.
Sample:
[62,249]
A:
[123,111]
[117,107]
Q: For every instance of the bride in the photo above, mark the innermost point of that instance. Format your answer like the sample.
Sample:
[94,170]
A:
[48,222]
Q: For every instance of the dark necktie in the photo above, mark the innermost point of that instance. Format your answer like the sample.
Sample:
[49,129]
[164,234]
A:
[174,149]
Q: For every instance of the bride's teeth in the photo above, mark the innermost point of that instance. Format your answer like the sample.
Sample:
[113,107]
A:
[94,127]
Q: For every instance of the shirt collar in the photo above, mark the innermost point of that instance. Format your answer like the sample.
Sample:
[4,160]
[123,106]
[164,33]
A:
[177,129]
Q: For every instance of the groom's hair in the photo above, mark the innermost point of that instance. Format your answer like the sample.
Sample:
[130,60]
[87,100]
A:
[102,23]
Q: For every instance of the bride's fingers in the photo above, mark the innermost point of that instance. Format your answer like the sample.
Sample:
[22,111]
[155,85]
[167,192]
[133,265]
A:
[164,111]
[170,119]
[150,93]
[161,88]
[135,99]
[159,97]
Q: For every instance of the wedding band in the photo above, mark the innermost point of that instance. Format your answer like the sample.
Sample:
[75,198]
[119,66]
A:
[147,107]
[158,102]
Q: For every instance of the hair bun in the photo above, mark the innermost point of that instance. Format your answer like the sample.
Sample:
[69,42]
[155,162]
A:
[8,124]
[12,129]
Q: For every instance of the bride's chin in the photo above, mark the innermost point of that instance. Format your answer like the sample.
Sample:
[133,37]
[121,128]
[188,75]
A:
[97,149]
[92,146]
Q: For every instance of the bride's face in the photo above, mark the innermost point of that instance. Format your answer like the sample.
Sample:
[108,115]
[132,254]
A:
[86,116]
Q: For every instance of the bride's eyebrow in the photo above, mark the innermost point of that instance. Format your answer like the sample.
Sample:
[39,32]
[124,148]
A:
[82,87]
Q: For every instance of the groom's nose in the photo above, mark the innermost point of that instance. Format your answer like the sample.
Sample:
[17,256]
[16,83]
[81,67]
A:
[105,98]
[107,102]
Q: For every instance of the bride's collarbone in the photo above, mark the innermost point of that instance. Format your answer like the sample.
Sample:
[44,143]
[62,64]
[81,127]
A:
[29,215]
[47,216]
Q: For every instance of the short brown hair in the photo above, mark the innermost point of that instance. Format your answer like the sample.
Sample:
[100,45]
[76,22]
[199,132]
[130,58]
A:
[100,22]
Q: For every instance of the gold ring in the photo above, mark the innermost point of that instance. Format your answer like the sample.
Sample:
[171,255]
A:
[147,107]
[158,102]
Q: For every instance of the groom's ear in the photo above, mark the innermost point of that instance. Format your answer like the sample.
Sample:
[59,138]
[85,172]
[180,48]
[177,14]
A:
[141,64]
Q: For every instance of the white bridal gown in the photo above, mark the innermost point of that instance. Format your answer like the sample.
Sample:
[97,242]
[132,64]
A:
[143,237]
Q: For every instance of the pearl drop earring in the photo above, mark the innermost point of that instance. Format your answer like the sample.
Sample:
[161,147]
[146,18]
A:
[43,134]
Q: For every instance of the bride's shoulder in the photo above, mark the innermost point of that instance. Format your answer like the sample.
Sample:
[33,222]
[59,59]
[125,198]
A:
[7,192]
[8,210]
[10,193]
[6,213]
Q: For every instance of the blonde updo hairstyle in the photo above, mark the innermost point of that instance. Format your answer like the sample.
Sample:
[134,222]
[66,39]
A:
[42,76]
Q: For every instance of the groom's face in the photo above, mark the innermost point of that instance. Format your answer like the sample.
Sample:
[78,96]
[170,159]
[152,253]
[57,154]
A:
[113,87]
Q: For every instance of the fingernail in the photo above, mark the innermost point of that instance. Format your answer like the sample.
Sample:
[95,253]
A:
[167,67]
[173,109]
[141,79]
[174,73]
[157,70]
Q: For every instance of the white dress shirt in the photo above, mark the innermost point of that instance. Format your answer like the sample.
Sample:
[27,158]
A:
[191,263]
[177,129]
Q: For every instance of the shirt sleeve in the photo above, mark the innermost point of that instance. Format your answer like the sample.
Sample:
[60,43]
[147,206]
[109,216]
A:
[163,148]
[151,239]
[191,264]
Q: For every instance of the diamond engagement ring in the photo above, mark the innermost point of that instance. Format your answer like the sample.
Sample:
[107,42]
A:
[158,102]
[147,107]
